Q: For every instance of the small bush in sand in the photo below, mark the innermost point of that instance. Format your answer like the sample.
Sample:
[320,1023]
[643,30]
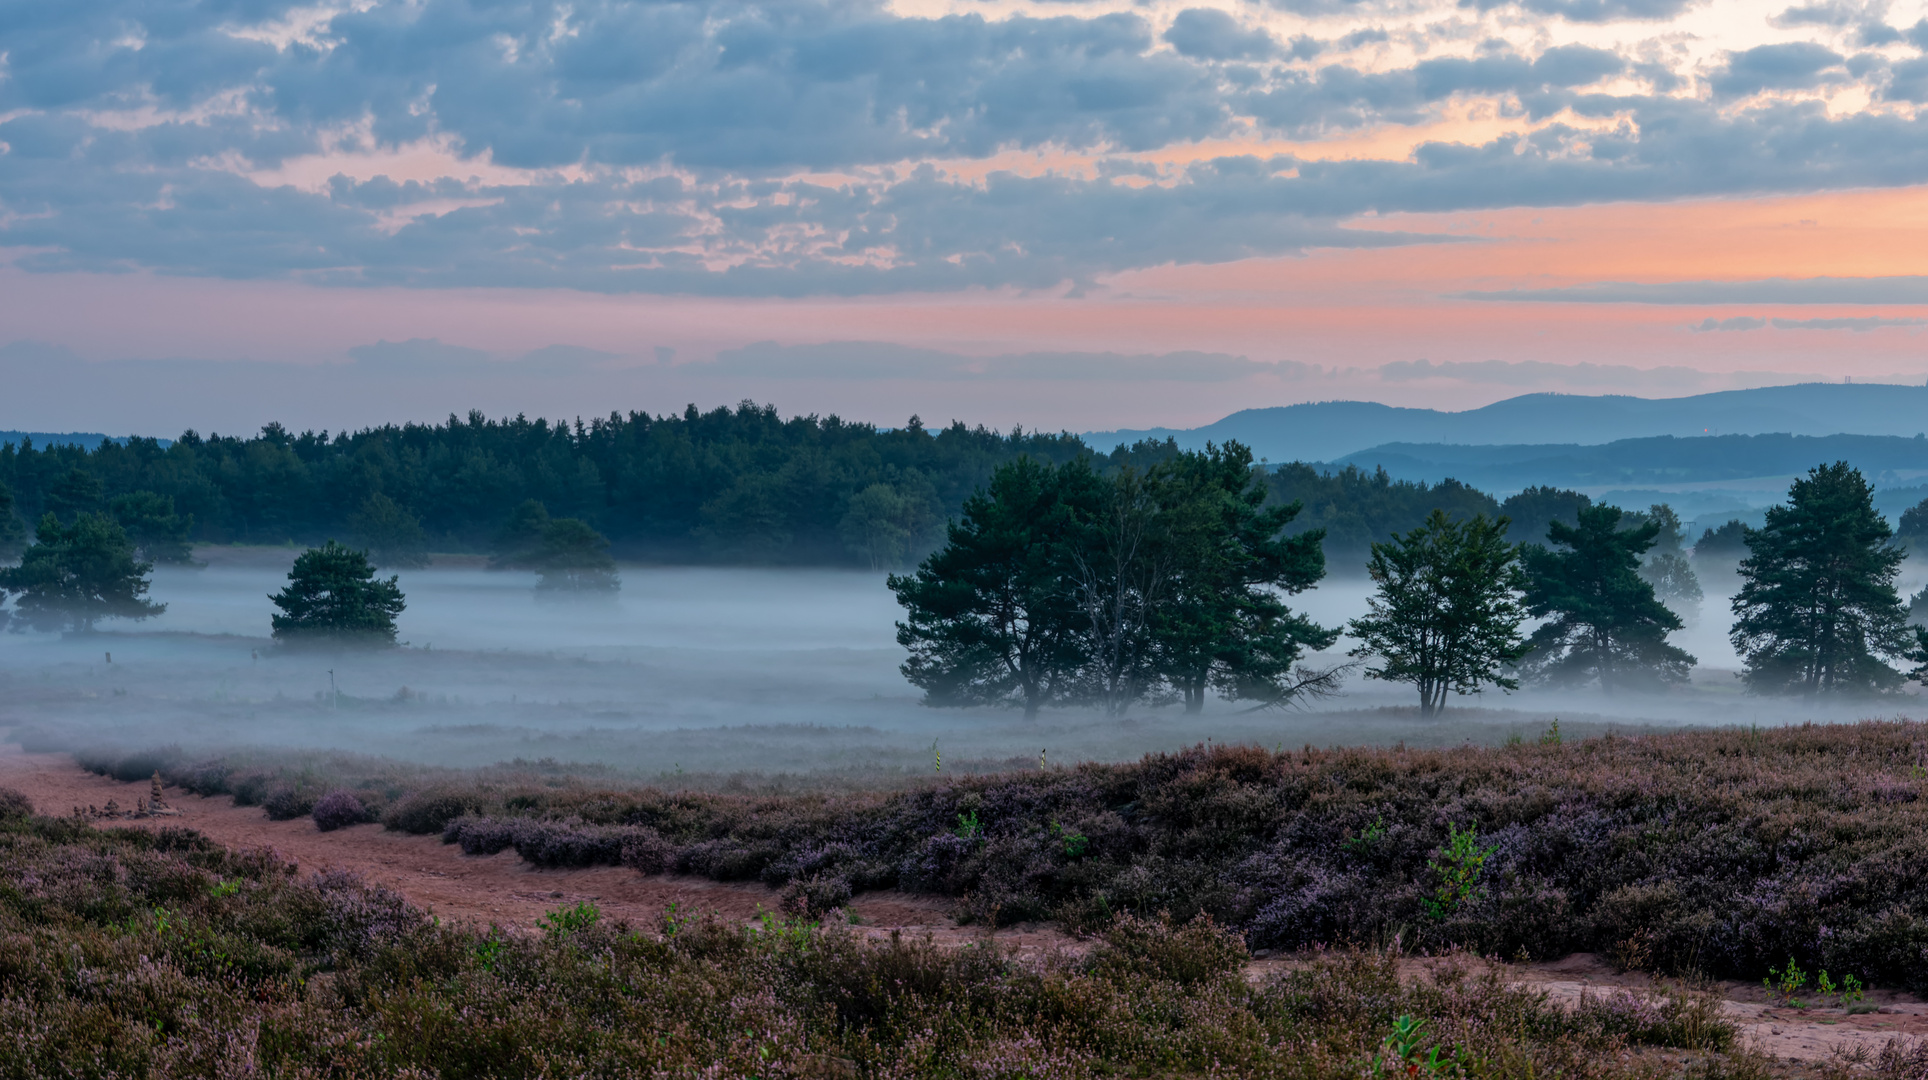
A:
[339,809]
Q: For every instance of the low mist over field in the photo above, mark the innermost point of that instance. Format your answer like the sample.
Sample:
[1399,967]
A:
[698,670]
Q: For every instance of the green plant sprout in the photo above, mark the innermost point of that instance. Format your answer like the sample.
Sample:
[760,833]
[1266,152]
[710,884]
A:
[488,951]
[1786,982]
[969,827]
[1400,1055]
[1367,838]
[224,888]
[1552,735]
[1072,842]
[1459,862]
[569,921]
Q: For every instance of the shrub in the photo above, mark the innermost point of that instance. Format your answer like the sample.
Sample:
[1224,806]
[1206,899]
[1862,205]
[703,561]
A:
[338,809]
[812,898]
[423,812]
[125,953]
[14,804]
[287,804]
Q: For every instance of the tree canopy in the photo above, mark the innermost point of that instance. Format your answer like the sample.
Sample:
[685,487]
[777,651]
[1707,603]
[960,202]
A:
[1818,611]
[390,534]
[566,553]
[1603,622]
[334,597]
[79,573]
[1665,566]
[158,533]
[13,531]
[1913,526]
[1534,509]
[1069,584]
[1446,616]
[1353,508]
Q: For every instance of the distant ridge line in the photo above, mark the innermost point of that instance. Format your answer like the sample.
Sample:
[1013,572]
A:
[1331,430]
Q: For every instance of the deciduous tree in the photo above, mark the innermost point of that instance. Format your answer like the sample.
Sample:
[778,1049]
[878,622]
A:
[1818,612]
[1447,614]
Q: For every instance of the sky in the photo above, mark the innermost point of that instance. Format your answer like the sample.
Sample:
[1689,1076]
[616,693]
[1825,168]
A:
[1080,214]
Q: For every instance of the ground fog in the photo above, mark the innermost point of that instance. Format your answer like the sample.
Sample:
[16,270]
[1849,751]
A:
[693,671]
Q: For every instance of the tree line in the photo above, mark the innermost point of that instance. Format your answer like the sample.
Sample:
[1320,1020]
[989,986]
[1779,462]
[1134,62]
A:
[1067,585]
[730,485]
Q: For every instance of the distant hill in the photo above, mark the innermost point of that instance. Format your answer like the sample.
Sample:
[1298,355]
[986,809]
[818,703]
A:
[86,440]
[1331,430]
[1647,462]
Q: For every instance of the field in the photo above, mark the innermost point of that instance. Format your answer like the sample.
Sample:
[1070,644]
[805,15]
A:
[704,827]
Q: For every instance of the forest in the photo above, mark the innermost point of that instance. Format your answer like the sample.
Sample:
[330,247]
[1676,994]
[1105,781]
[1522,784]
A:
[732,485]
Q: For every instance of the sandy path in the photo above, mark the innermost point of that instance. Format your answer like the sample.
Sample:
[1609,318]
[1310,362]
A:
[501,889]
[437,877]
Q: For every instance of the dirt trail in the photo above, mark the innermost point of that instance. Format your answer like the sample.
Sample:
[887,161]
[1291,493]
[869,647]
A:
[437,877]
[504,890]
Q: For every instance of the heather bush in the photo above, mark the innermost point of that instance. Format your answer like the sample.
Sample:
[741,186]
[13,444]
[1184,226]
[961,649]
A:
[429,811]
[288,803]
[1715,852]
[14,804]
[129,953]
[339,809]
[814,897]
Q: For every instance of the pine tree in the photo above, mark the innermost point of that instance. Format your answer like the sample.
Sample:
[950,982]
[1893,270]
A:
[78,574]
[1603,622]
[1818,611]
[1447,614]
[334,597]
[1224,624]
[989,619]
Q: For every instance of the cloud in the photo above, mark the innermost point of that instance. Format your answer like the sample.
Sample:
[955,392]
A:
[1858,325]
[1819,290]
[1592,11]
[1738,322]
[1799,65]
[1211,34]
[748,147]
[882,360]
